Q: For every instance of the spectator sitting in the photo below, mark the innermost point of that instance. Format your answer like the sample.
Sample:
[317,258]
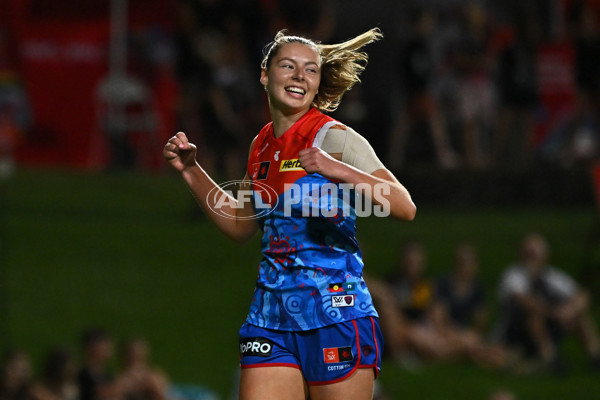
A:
[94,380]
[540,303]
[461,313]
[461,293]
[15,376]
[138,380]
[413,292]
[403,302]
[414,327]
[59,377]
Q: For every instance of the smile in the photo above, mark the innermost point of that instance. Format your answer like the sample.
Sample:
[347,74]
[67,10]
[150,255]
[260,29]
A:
[296,90]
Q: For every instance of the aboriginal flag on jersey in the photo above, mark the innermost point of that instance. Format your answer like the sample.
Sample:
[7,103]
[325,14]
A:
[311,272]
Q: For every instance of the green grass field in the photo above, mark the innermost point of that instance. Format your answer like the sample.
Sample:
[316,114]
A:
[126,251]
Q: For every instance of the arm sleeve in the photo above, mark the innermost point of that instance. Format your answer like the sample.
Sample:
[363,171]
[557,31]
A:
[355,149]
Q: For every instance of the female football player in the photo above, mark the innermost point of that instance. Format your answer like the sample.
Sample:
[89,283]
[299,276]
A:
[312,330]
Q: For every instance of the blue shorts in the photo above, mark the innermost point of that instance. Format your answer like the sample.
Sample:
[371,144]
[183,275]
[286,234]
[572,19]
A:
[325,355]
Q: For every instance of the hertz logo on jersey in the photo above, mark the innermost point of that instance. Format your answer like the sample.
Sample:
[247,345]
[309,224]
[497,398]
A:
[290,165]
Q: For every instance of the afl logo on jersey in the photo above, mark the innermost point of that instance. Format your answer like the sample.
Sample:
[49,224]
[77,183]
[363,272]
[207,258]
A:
[290,165]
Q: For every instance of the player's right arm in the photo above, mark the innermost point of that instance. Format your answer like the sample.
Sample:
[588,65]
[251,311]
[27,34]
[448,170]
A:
[181,154]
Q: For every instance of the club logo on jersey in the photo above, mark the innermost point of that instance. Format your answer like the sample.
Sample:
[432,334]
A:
[257,347]
[260,170]
[342,301]
[333,355]
[290,165]
[342,287]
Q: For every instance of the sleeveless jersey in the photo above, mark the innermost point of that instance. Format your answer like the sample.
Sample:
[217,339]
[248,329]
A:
[311,273]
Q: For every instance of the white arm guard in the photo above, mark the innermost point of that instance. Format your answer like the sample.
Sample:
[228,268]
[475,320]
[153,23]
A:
[355,149]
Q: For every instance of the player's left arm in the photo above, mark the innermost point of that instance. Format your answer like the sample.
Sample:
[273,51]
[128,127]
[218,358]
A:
[382,186]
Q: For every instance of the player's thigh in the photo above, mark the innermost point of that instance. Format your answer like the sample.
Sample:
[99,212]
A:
[272,383]
[358,386]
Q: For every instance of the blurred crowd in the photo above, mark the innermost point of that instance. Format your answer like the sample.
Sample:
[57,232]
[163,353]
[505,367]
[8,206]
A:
[448,319]
[63,377]
[425,320]
[463,83]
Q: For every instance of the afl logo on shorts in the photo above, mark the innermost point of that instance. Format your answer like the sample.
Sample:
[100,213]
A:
[257,347]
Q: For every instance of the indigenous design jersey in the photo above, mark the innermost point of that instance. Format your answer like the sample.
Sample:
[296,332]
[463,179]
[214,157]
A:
[310,275]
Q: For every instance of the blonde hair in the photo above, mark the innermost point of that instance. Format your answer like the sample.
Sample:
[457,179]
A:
[341,64]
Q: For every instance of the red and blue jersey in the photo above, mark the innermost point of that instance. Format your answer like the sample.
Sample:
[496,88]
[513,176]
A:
[311,273]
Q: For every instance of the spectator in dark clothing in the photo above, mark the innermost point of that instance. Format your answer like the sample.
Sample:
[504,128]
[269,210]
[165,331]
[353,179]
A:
[59,378]
[420,109]
[461,293]
[94,380]
[415,327]
[585,143]
[518,95]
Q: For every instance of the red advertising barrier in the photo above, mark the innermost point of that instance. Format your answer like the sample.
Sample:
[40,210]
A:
[63,57]
[61,67]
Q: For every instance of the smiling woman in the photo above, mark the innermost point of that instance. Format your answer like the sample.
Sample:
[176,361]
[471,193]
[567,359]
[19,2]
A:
[341,64]
[292,80]
[312,329]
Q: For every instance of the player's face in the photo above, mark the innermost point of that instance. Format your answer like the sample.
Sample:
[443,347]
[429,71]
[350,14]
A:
[293,77]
